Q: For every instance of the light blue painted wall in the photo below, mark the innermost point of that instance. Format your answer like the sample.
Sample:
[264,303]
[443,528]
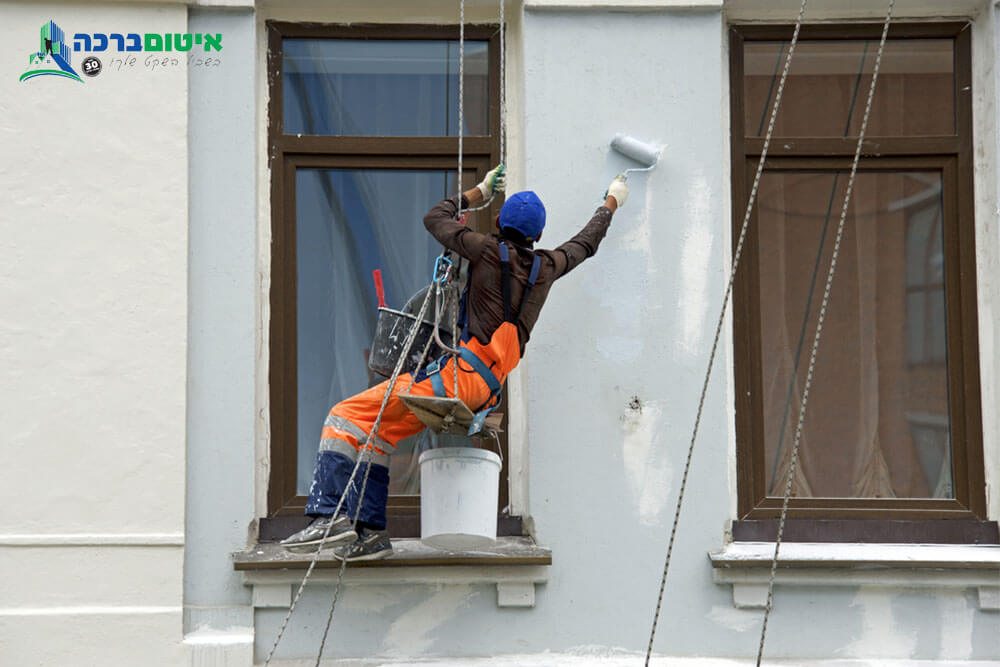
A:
[610,331]
[221,327]
[635,321]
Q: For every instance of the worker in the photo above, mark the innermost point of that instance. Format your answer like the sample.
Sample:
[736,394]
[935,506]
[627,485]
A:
[507,285]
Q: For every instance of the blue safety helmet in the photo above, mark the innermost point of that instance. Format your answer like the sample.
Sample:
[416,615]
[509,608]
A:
[524,212]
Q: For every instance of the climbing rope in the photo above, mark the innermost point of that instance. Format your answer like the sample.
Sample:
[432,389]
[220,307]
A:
[461,91]
[503,104]
[718,327]
[443,279]
[503,87]
[819,332]
[439,286]
[351,484]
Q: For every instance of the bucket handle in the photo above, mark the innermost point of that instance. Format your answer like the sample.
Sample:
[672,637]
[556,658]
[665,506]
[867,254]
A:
[496,439]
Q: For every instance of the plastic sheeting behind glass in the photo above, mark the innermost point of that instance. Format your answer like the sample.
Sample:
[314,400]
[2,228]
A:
[877,424]
[348,223]
[383,88]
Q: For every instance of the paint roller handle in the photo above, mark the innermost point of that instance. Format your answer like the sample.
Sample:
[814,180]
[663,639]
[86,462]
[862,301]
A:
[379,287]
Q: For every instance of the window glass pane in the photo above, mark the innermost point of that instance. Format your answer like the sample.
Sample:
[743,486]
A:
[924,261]
[828,83]
[877,424]
[345,228]
[916,334]
[383,87]
[936,349]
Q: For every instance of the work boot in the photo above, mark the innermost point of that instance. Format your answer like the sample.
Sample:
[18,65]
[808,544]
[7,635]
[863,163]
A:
[370,545]
[310,537]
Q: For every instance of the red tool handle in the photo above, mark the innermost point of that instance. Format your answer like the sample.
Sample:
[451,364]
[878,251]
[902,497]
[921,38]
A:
[379,287]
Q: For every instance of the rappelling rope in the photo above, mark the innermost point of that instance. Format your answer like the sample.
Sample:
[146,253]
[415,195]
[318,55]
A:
[718,327]
[350,482]
[819,331]
[503,86]
[364,482]
[454,327]
[503,103]
[458,208]
[441,281]
[461,92]
[437,286]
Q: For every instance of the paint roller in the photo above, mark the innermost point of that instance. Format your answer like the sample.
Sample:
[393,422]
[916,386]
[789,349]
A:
[639,151]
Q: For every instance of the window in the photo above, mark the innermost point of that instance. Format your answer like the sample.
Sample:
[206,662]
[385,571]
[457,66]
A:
[363,141]
[893,427]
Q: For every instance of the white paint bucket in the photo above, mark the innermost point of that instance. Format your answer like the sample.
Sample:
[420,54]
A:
[458,497]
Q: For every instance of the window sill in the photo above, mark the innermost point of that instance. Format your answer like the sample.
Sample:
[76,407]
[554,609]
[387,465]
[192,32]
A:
[514,564]
[747,566]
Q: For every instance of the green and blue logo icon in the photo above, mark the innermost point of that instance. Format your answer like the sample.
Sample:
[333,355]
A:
[53,58]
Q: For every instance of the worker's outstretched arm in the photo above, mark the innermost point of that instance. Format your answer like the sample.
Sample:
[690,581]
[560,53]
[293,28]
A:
[571,253]
[441,223]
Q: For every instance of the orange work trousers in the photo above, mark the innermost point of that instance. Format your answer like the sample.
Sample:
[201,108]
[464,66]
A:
[349,422]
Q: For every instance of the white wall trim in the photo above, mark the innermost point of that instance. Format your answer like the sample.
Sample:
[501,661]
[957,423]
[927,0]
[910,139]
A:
[92,540]
[984,151]
[273,588]
[806,554]
[587,656]
[220,4]
[622,5]
[262,422]
[746,566]
[88,611]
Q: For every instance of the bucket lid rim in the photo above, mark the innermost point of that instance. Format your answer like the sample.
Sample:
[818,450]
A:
[459,453]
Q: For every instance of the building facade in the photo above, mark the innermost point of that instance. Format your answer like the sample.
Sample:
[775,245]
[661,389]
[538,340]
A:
[189,235]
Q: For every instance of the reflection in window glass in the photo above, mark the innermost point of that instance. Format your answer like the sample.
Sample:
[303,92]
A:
[877,425]
[383,87]
[925,327]
[346,228]
[828,84]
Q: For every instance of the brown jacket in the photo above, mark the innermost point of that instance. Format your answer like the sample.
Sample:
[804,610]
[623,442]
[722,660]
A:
[485,306]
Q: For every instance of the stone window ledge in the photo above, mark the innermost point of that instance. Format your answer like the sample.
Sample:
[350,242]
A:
[747,566]
[515,564]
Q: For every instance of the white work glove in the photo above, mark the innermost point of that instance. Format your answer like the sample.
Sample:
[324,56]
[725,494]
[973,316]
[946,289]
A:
[619,190]
[495,181]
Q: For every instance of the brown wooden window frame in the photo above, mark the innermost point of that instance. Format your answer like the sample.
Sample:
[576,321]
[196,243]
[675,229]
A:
[288,152]
[963,518]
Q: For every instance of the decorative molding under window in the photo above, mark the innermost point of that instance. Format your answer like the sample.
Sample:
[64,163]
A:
[747,566]
[515,564]
[92,540]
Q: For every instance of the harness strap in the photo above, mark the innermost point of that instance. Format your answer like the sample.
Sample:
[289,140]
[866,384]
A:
[484,372]
[478,365]
[532,277]
[438,385]
[505,279]
[505,282]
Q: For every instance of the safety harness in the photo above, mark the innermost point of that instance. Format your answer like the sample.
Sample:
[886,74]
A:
[433,369]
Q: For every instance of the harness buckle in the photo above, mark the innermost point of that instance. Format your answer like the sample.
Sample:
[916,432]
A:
[433,368]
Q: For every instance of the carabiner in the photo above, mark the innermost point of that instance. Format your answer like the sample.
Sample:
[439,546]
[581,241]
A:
[442,268]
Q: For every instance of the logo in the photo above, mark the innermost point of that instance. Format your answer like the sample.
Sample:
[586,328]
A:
[54,54]
[53,57]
